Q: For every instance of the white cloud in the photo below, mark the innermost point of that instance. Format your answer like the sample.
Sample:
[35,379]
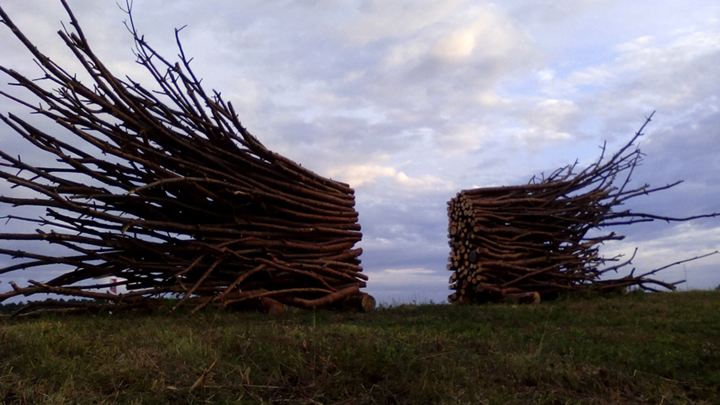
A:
[490,98]
[546,75]
[362,175]
[377,20]
[247,94]
[358,175]
[669,77]
[637,44]
[410,101]
[599,76]
[545,122]
[410,271]
[490,36]
[684,241]
[481,36]
[404,54]
[409,277]
[537,138]
[460,139]
[687,238]
[456,46]
[424,182]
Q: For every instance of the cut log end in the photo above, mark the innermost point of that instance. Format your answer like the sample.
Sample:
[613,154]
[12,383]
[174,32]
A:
[368,303]
[273,307]
[362,302]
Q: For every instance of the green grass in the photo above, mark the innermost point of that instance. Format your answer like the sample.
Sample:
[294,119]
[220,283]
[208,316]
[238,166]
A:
[659,348]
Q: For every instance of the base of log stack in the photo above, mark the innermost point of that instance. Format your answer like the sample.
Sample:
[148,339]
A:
[532,297]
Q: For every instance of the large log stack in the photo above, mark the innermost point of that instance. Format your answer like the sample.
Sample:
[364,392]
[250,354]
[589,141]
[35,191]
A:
[531,242]
[164,190]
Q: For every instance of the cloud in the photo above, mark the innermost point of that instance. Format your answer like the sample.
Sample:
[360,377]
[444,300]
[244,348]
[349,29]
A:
[648,74]
[376,20]
[460,138]
[362,175]
[358,175]
[545,123]
[636,45]
[489,36]
[457,46]
[399,277]
[412,101]
[681,242]
[481,39]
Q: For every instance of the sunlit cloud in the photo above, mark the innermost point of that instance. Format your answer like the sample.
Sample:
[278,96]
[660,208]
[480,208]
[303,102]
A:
[411,101]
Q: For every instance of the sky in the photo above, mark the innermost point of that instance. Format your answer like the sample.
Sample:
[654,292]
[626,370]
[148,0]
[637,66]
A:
[412,101]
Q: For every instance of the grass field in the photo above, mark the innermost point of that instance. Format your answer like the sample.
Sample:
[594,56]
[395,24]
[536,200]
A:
[637,348]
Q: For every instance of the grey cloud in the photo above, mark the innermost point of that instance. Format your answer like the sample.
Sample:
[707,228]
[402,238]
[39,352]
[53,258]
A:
[687,151]
[313,81]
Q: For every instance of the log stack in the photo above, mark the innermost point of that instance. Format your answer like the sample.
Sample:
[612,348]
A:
[530,242]
[517,242]
[164,190]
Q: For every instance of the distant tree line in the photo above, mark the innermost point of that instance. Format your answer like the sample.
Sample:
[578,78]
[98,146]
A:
[11,307]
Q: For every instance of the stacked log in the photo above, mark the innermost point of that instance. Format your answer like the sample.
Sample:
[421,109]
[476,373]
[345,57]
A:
[499,235]
[165,190]
[530,242]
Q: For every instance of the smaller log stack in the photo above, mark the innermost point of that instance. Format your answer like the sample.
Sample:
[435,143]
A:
[516,242]
[530,242]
